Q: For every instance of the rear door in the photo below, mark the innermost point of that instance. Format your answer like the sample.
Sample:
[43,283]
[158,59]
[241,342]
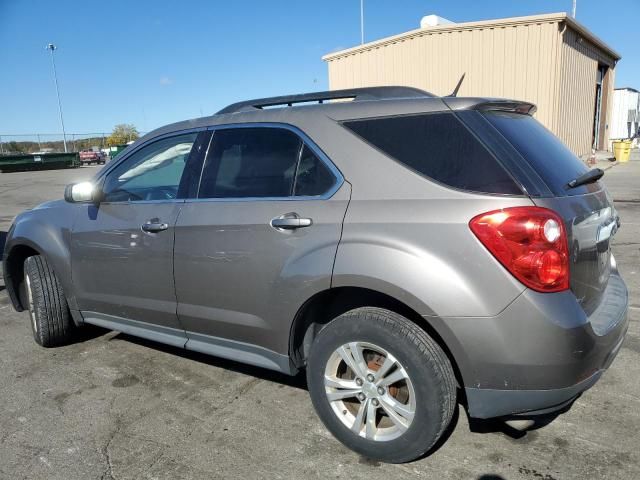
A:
[587,210]
[259,239]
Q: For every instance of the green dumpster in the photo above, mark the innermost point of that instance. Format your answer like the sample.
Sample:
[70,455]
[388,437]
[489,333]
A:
[115,150]
[39,161]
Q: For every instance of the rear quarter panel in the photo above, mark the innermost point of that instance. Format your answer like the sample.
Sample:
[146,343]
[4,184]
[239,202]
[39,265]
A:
[422,252]
[408,237]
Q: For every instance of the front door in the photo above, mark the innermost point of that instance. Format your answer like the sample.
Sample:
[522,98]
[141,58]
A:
[259,240]
[123,247]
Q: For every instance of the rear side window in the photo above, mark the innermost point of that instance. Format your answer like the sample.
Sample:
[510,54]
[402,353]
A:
[553,161]
[250,162]
[437,146]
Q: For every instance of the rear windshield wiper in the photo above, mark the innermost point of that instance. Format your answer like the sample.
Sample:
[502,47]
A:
[589,177]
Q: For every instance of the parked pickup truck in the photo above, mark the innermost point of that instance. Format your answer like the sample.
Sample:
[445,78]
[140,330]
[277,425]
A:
[90,156]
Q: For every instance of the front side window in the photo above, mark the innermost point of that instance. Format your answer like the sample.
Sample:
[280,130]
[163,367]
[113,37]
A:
[438,146]
[151,173]
[250,162]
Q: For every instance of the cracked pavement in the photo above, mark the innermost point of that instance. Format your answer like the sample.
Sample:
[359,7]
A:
[115,407]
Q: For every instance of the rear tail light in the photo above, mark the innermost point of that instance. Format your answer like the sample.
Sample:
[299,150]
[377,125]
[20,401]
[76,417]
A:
[531,242]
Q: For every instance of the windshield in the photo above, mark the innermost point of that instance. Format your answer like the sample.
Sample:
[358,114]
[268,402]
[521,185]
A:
[553,161]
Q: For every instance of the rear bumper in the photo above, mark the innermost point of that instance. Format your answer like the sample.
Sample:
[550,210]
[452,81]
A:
[540,353]
[489,403]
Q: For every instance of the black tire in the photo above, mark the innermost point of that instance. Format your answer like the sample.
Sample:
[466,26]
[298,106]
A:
[425,363]
[51,321]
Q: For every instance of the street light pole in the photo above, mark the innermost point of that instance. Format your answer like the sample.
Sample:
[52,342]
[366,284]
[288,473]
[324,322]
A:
[573,10]
[52,47]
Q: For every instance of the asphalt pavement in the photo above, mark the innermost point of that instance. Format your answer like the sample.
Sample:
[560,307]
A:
[115,407]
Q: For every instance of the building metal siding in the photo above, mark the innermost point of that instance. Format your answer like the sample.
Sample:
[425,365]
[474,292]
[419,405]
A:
[536,59]
[579,67]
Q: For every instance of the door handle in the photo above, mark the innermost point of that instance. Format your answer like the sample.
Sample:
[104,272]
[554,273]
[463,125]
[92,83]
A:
[154,227]
[290,221]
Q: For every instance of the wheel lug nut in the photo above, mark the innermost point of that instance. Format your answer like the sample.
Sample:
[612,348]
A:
[375,402]
[370,377]
[361,397]
[359,382]
[380,391]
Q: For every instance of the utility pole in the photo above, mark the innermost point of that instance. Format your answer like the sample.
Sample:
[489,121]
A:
[573,10]
[362,21]
[52,47]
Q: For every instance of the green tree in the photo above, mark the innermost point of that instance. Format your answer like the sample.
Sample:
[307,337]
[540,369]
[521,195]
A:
[16,147]
[123,133]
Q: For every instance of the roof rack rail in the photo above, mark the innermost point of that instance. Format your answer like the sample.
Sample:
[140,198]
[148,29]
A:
[367,93]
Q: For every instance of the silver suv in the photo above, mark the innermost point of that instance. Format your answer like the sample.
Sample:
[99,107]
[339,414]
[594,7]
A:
[408,251]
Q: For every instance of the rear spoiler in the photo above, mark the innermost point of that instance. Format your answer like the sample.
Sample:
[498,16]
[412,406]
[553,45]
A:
[490,104]
[507,106]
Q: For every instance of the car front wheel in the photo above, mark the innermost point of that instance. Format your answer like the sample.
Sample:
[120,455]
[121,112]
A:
[51,321]
[381,384]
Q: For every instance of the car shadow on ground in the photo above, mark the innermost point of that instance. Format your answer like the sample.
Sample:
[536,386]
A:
[87,332]
[297,381]
[3,239]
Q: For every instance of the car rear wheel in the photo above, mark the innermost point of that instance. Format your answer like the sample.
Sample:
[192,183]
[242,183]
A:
[51,321]
[381,385]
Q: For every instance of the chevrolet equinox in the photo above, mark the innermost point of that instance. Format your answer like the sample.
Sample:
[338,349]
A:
[408,251]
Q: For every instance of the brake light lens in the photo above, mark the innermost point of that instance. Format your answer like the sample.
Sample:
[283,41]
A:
[531,242]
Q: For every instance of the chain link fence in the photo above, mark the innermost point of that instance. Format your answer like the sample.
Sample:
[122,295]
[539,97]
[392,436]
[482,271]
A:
[52,142]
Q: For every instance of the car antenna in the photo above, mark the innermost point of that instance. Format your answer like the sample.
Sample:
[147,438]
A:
[455,90]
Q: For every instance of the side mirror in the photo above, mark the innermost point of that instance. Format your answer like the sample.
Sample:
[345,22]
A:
[83,192]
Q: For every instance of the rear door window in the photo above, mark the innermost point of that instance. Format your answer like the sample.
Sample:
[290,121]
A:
[250,162]
[548,156]
[438,146]
[313,177]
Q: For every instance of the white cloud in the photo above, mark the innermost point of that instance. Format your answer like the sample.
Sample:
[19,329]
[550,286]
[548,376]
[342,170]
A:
[165,81]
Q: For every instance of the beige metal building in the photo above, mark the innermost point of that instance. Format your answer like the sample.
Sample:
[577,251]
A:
[550,60]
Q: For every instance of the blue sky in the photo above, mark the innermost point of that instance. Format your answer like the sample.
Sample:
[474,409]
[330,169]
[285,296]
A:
[155,62]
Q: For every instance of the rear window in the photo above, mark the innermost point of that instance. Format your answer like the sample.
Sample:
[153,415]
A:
[437,146]
[553,161]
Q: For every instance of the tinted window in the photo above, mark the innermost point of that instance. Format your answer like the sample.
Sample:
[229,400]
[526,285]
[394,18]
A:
[151,173]
[439,147]
[553,161]
[250,162]
[313,176]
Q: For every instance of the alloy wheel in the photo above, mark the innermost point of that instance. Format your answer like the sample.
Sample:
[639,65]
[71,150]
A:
[370,391]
